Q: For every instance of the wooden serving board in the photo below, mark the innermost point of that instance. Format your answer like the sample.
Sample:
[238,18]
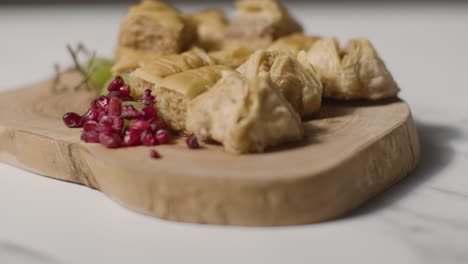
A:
[352,152]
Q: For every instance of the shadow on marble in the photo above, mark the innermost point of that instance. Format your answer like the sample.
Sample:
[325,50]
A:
[437,153]
[18,254]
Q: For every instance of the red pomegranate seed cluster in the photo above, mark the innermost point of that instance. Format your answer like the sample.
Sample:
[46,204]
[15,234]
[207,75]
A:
[104,122]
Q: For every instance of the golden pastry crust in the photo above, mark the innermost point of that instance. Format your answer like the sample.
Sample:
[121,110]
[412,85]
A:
[298,84]
[245,115]
[175,91]
[256,23]
[232,55]
[293,43]
[128,59]
[153,72]
[355,72]
[153,27]
[211,25]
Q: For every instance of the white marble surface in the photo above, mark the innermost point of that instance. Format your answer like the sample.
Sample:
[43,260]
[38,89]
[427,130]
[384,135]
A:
[424,219]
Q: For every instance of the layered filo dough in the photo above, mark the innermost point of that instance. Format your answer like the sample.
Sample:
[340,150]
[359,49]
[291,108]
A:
[298,83]
[354,72]
[128,59]
[256,23]
[244,114]
[294,43]
[211,25]
[246,83]
[232,55]
[153,27]
[153,72]
[174,92]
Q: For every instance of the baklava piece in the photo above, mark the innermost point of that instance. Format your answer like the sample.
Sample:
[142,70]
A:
[232,55]
[153,27]
[355,72]
[211,24]
[245,115]
[256,23]
[153,72]
[294,43]
[175,91]
[128,59]
[299,85]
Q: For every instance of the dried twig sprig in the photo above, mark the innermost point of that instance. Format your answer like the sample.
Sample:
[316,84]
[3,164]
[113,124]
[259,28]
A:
[85,69]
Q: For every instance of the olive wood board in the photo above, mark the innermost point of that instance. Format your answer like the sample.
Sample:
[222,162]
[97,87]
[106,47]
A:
[352,151]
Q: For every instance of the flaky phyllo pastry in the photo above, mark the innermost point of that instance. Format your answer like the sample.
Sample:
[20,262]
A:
[247,82]
[211,24]
[257,23]
[299,84]
[354,72]
[176,90]
[293,43]
[244,114]
[154,28]
[151,73]
[129,59]
[232,55]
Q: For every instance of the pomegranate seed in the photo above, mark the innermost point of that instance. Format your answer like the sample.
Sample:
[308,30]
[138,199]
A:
[192,142]
[89,126]
[149,112]
[163,136]
[110,140]
[91,115]
[147,138]
[105,124]
[127,99]
[102,103]
[90,137]
[156,124]
[114,94]
[125,91]
[146,93]
[161,124]
[129,112]
[131,138]
[139,125]
[154,154]
[146,98]
[117,124]
[73,120]
[102,115]
[107,120]
[115,106]
[94,104]
[101,128]
[115,84]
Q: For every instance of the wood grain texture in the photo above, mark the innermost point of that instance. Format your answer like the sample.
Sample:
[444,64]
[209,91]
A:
[352,152]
